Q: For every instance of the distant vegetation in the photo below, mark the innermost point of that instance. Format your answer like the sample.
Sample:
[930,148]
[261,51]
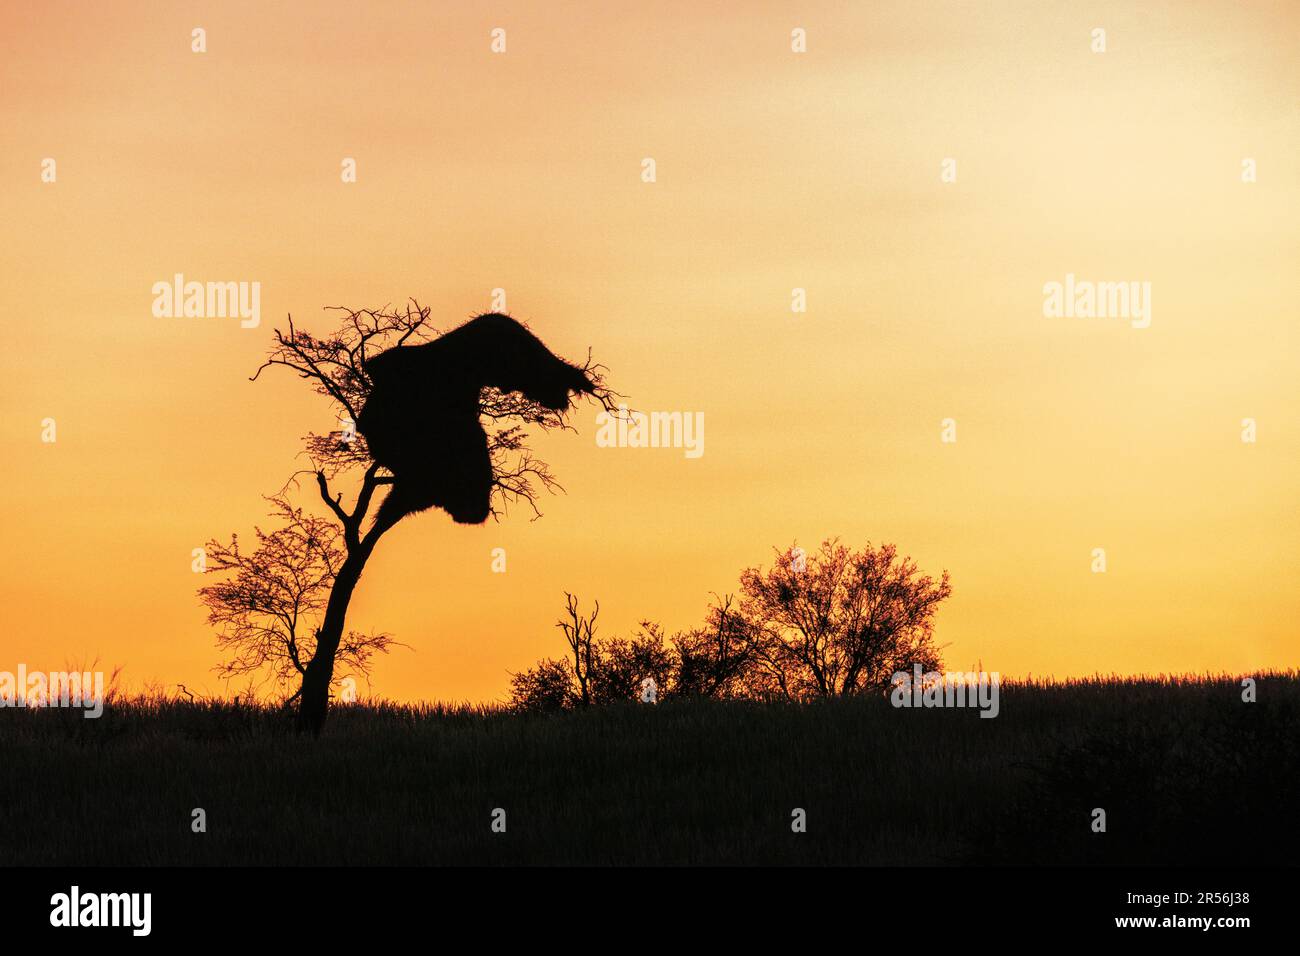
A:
[835,623]
[1186,771]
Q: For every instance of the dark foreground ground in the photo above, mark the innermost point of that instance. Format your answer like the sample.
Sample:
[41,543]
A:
[1186,772]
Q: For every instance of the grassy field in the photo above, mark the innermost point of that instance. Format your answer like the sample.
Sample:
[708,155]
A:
[1186,772]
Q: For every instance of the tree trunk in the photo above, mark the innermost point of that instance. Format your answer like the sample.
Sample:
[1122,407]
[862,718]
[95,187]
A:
[313,705]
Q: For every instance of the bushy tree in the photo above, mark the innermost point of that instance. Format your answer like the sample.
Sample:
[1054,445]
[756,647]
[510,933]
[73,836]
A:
[714,660]
[838,622]
[704,662]
[270,602]
[546,687]
[830,624]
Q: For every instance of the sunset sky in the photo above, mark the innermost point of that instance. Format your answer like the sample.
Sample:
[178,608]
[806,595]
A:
[775,170]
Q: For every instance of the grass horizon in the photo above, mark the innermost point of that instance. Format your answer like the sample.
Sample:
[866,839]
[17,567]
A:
[1186,770]
[154,691]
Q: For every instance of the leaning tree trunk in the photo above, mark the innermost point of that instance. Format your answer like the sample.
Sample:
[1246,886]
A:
[313,705]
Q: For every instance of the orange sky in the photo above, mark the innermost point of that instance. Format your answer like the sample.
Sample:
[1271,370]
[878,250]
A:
[775,170]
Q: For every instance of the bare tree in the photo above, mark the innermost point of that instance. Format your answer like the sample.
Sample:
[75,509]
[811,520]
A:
[579,632]
[840,622]
[335,366]
[267,609]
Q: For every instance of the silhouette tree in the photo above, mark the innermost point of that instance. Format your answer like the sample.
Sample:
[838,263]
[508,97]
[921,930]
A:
[834,623]
[712,661]
[342,367]
[580,634]
[837,622]
[704,662]
[268,607]
[545,688]
[594,671]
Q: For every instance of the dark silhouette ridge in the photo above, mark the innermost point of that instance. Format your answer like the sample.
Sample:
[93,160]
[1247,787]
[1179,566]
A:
[421,418]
